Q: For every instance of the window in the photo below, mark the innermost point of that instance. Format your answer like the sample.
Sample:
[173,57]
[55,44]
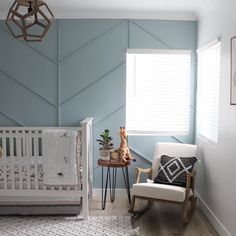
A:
[158,92]
[208,91]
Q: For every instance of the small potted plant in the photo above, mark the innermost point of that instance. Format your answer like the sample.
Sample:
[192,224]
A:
[106,144]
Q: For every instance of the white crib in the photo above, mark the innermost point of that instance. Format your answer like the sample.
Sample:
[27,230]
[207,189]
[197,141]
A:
[21,168]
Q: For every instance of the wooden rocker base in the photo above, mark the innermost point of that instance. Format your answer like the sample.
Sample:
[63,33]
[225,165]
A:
[188,209]
[138,213]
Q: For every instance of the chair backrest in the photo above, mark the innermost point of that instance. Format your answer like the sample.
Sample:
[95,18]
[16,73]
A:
[173,150]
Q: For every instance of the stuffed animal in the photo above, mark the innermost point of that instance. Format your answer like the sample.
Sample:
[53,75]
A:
[124,151]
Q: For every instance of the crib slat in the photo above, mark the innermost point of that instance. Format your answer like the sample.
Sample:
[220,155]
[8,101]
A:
[4,162]
[36,157]
[19,158]
[23,151]
[12,161]
[27,158]
[43,156]
[23,145]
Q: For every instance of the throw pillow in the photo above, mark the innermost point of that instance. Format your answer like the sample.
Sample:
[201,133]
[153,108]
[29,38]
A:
[173,170]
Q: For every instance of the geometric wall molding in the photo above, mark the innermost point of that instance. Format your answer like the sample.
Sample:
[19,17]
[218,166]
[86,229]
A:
[3,29]
[151,34]
[28,88]
[99,79]
[109,115]
[11,118]
[42,54]
[93,40]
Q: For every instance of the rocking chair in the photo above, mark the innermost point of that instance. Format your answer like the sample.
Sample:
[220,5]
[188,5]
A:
[163,192]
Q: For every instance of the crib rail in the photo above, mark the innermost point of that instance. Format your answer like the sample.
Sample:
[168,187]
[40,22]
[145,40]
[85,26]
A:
[22,149]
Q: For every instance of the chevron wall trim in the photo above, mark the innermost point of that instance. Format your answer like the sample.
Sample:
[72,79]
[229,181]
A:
[28,88]
[93,40]
[151,34]
[17,123]
[79,71]
[28,45]
[102,77]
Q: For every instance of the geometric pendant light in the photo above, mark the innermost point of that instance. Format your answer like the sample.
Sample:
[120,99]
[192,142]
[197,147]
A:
[29,20]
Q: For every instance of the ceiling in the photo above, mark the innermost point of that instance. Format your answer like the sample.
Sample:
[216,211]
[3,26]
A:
[182,9]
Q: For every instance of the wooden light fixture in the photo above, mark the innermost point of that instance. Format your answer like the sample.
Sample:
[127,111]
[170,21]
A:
[29,20]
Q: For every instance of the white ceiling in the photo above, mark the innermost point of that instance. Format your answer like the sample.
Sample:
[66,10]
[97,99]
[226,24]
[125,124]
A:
[182,9]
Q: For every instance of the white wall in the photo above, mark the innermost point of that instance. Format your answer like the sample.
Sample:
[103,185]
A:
[216,183]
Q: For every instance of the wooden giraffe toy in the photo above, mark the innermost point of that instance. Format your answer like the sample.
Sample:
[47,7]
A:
[124,151]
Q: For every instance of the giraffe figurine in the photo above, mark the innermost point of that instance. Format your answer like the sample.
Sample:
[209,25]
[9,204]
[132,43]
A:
[124,151]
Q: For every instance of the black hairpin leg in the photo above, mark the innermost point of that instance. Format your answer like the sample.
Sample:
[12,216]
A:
[111,181]
[105,194]
[102,187]
[126,180]
[113,184]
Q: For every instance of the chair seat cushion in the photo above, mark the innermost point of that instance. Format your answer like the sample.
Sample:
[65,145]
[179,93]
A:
[160,191]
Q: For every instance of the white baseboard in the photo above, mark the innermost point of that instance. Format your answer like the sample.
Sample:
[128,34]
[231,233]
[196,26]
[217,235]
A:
[121,193]
[220,228]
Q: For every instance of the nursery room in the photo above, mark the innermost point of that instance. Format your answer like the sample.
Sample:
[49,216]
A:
[117,117]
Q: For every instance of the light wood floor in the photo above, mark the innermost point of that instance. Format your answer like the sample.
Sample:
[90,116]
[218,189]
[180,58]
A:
[161,219]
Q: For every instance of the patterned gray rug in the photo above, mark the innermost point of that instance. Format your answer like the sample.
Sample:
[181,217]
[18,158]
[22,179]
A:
[66,226]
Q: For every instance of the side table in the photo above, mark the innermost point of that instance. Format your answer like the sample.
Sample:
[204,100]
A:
[112,180]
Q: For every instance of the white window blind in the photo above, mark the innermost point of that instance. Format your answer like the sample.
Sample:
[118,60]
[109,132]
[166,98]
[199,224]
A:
[158,92]
[208,91]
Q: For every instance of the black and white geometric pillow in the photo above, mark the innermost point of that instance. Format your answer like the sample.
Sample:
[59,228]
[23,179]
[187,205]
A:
[173,170]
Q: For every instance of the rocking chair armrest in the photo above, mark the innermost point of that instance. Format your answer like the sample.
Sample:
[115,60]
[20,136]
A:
[192,174]
[139,171]
[190,181]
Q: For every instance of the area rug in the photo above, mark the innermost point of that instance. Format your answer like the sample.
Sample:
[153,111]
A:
[66,226]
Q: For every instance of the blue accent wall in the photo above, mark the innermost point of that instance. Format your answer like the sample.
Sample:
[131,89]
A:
[79,70]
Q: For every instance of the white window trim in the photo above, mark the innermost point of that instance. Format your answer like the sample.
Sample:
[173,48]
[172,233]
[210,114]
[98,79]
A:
[209,45]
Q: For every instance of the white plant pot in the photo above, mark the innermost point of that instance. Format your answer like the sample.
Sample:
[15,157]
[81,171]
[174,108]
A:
[106,154]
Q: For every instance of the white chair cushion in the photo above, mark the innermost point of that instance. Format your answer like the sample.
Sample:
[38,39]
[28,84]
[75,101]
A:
[159,191]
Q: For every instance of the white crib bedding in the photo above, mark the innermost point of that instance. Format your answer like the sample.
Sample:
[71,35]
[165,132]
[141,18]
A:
[24,171]
[31,168]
